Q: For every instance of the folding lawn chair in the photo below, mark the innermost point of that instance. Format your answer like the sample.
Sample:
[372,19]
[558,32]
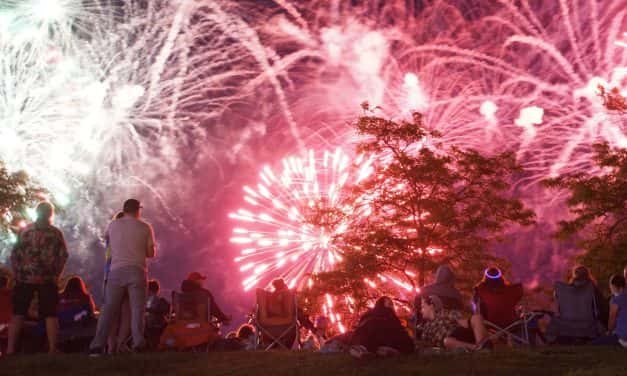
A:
[190,327]
[578,314]
[276,320]
[497,306]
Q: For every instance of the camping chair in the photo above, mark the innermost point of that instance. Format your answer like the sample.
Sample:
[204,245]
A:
[276,320]
[578,314]
[497,306]
[190,327]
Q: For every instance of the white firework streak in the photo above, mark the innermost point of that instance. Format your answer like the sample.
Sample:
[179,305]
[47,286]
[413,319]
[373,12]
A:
[279,240]
[98,96]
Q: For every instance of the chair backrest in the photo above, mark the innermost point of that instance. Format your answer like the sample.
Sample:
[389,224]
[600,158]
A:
[498,305]
[576,303]
[191,306]
[276,308]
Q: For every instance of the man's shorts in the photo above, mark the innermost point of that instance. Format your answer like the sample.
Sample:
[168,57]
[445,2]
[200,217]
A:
[48,294]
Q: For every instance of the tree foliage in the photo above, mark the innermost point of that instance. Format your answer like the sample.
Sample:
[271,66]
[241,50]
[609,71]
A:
[428,204]
[598,208]
[17,193]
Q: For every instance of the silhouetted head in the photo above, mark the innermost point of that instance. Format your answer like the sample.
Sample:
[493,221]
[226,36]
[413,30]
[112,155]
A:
[384,302]
[153,287]
[430,306]
[493,277]
[132,207]
[581,275]
[75,286]
[617,284]
[245,331]
[279,284]
[45,212]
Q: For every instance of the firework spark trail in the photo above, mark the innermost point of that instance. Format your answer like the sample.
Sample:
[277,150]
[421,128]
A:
[279,239]
[553,87]
[94,96]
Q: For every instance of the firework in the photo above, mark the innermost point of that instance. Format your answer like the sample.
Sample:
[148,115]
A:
[101,96]
[280,241]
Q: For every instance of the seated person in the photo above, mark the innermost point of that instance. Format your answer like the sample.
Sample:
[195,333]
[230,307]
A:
[279,304]
[380,331]
[278,317]
[496,299]
[449,329]
[157,310]
[578,310]
[194,284]
[75,303]
[77,320]
[444,288]
[246,337]
[617,325]
[319,335]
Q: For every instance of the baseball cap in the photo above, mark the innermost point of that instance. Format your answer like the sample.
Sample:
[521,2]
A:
[195,276]
[132,205]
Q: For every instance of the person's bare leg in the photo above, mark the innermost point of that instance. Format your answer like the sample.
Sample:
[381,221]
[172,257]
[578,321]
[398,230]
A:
[52,331]
[453,343]
[15,327]
[479,329]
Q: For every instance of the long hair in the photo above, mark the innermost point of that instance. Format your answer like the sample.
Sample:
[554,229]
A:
[581,274]
[75,287]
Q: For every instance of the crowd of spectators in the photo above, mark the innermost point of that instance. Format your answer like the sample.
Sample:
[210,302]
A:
[35,313]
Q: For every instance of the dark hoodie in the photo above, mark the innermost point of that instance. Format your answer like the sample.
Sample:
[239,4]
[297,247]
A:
[381,327]
[443,288]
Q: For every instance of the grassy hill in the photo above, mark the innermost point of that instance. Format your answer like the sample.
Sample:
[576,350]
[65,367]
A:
[544,361]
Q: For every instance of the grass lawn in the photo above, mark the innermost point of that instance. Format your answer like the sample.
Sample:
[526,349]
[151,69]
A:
[542,361]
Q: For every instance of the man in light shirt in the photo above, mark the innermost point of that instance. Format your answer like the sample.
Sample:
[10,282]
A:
[132,241]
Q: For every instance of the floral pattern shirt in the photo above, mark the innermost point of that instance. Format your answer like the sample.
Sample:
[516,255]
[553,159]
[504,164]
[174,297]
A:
[435,331]
[39,255]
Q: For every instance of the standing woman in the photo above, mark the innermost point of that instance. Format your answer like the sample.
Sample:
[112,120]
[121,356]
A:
[121,328]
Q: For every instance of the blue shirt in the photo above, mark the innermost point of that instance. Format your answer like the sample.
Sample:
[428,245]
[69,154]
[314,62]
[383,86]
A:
[621,317]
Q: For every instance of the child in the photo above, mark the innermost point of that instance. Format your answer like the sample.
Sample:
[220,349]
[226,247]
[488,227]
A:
[617,324]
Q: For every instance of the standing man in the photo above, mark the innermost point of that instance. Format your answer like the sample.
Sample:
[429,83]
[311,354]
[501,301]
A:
[132,241]
[37,259]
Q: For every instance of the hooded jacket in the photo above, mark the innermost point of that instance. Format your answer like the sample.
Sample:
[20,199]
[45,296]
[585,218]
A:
[443,288]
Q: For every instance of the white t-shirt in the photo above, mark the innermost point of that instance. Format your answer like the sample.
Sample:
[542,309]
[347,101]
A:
[129,239]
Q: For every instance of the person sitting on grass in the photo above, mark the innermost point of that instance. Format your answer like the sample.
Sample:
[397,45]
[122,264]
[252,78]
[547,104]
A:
[319,335]
[617,324]
[380,332]
[75,299]
[246,337]
[449,329]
